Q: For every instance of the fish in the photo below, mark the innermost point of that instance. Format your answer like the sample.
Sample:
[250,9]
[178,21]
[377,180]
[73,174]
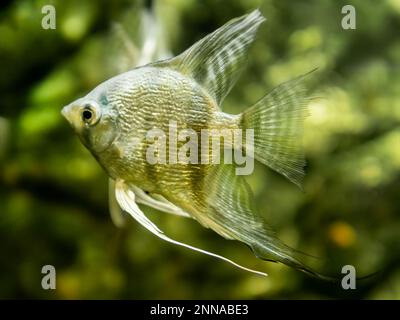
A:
[114,119]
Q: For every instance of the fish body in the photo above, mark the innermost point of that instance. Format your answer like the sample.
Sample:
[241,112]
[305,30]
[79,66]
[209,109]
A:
[149,98]
[114,120]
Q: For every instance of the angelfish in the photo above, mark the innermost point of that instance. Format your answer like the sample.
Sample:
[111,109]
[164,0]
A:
[113,119]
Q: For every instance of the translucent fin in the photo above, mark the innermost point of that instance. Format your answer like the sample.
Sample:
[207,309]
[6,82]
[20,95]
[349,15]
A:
[116,213]
[277,120]
[230,211]
[127,45]
[131,44]
[126,199]
[157,202]
[153,46]
[122,54]
[217,60]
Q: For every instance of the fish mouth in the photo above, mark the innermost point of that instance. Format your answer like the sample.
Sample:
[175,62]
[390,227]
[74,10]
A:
[64,112]
[68,113]
[71,114]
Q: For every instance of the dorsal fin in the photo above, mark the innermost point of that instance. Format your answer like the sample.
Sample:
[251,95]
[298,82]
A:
[216,60]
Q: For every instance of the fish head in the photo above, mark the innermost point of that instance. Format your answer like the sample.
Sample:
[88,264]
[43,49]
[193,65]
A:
[93,119]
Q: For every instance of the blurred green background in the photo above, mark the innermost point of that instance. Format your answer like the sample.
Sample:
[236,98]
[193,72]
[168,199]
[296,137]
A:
[53,194]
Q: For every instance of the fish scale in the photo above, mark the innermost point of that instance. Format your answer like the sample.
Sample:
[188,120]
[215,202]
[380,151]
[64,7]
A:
[153,104]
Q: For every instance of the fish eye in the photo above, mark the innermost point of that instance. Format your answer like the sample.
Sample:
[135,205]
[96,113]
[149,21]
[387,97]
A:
[90,113]
[87,115]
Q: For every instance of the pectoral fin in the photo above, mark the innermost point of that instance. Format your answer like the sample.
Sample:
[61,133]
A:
[118,217]
[157,202]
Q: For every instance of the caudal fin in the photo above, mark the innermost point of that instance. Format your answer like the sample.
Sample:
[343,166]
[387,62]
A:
[277,120]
